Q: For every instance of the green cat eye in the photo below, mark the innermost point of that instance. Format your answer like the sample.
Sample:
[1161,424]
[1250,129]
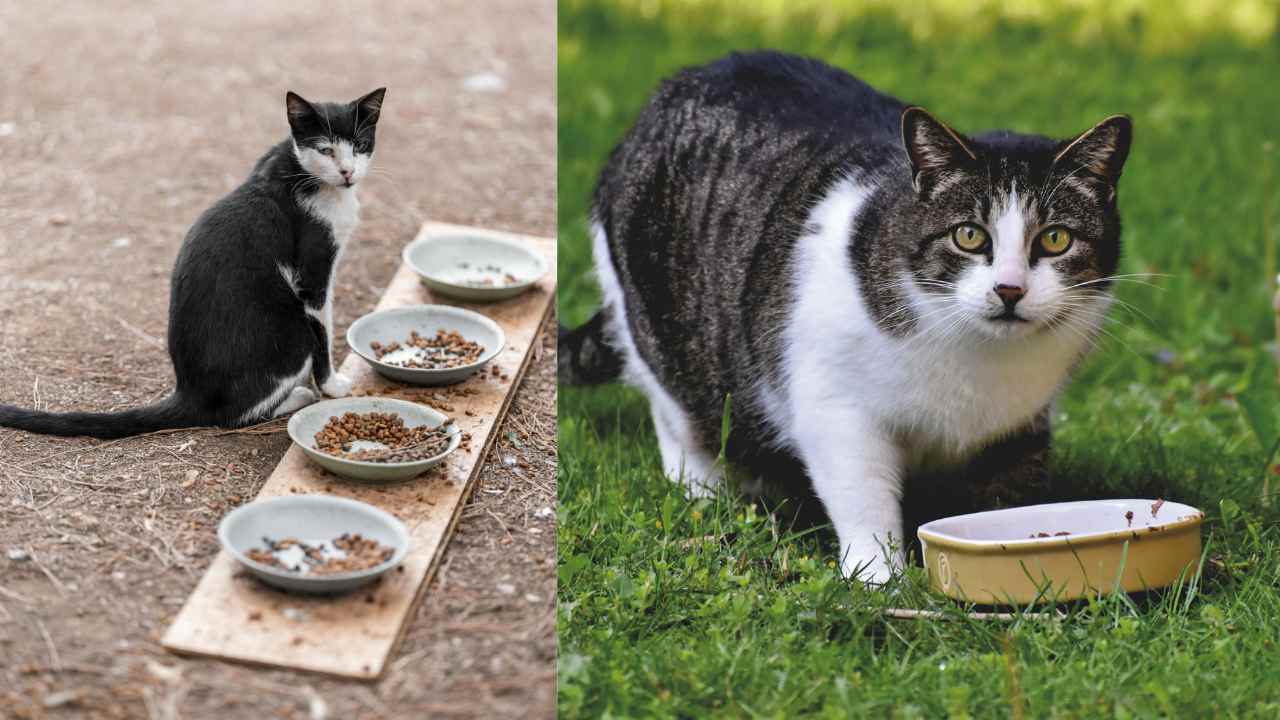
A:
[326,151]
[969,237]
[1055,240]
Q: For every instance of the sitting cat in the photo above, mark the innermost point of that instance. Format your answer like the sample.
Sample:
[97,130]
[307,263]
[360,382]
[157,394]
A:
[251,309]
[881,296]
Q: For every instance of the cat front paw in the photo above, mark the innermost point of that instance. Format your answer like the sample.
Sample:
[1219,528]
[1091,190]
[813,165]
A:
[336,386]
[873,566]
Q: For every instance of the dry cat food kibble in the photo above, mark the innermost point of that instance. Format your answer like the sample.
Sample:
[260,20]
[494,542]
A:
[349,552]
[391,439]
[485,276]
[448,349]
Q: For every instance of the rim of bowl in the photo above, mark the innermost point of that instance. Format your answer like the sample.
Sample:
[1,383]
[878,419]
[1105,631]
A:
[540,261]
[455,437]
[487,356]
[927,534]
[397,526]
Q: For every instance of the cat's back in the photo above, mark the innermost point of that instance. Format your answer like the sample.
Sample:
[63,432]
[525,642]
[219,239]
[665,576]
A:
[786,93]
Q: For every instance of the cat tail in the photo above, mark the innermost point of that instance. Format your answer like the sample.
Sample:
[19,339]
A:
[171,412]
[585,356]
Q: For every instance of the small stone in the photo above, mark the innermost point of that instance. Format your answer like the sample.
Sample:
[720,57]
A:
[294,614]
[190,479]
[545,513]
[18,554]
[121,242]
[7,129]
[59,220]
[485,82]
[506,588]
[532,598]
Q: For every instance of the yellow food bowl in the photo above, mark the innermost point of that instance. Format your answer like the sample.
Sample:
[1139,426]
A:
[1062,551]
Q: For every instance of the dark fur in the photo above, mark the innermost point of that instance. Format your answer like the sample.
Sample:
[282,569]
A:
[705,198]
[235,327]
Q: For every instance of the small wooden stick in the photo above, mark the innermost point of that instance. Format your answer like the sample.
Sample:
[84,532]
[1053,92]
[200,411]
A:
[912,614]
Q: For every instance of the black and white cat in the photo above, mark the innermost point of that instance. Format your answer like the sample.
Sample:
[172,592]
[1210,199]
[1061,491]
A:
[882,297]
[251,308]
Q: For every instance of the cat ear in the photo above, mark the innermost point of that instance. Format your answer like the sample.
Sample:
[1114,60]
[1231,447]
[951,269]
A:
[301,113]
[369,106]
[935,150]
[1101,149]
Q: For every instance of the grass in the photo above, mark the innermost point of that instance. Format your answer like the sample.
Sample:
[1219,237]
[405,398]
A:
[671,608]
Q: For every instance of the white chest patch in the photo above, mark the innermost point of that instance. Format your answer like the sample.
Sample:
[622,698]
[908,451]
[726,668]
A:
[338,208]
[943,397]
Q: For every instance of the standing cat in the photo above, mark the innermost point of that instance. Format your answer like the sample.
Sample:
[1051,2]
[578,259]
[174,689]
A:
[251,308]
[881,296]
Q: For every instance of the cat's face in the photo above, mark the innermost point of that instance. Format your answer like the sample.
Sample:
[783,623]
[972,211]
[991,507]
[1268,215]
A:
[334,141]
[1016,234]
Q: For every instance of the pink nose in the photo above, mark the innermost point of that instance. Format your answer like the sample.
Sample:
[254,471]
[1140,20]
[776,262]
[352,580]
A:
[346,174]
[1009,294]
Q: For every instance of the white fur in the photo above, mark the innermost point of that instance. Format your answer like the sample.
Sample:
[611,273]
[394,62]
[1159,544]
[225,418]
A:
[290,275]
[280,396]
[863,408]
[297,399]
[684,460]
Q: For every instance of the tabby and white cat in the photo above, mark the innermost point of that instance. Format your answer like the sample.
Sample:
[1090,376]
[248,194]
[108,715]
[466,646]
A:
[881,296]
[251,309]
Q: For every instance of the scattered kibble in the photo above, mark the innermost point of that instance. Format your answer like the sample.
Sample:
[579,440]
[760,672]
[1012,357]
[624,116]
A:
[448,349]
[348,552]
[400,442]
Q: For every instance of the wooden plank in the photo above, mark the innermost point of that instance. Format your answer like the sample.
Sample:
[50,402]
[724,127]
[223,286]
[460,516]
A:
[232,616]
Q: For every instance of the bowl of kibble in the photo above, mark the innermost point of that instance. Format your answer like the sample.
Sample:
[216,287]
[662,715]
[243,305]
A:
[475,266]
[374,438]
[1062,551]
[314,543]
[426,344]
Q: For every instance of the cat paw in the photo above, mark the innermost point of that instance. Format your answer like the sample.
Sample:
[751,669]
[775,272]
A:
[336,386]
[872,567]
[297,399]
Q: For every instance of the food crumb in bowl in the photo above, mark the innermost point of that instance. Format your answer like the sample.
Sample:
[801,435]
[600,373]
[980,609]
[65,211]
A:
[1155,506]
[1060,533]
[1128,516]
[349,552]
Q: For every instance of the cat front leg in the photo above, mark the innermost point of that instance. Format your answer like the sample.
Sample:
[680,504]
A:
[856,470]
[330,382]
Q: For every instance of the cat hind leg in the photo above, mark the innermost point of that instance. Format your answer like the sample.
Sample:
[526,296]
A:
[685,462]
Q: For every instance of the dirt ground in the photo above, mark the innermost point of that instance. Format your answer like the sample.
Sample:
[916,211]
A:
[118,126]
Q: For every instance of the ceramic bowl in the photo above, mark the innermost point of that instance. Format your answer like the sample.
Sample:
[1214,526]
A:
[310,518]
[308,421]
[1062,551]
[386,326]
[475,266]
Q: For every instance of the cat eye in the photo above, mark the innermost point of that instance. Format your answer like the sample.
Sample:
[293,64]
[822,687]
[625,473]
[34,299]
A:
[1055,240]
[326,151]
[969,237]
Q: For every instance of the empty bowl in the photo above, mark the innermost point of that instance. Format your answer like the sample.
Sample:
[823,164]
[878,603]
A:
[310,420]
[1062,551]
[312,519]
[387,326]
[475,266]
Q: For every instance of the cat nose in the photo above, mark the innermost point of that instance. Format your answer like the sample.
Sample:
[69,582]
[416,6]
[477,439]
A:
[1009,295]
[346,174]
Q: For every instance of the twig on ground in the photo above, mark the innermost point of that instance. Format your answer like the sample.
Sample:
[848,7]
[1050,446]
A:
[54,660]
[911,614]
